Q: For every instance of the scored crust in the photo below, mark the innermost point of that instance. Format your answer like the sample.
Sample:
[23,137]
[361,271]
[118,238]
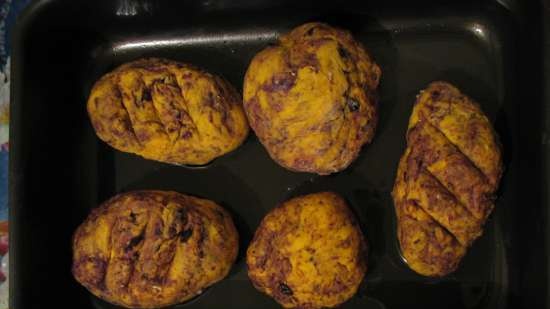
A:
[446,180]
[148,249]
[167,111]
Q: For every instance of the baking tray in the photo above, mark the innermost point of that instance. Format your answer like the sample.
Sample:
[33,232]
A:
[60,170]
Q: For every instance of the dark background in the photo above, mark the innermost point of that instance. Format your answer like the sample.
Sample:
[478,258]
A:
[60,170]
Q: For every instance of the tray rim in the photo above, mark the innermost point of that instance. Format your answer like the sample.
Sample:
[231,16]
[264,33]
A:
[16,162]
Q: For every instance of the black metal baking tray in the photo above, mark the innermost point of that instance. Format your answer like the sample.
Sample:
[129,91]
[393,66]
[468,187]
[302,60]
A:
[60,170]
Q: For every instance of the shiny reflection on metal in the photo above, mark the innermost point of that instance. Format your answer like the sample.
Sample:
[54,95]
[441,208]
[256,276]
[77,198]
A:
[479,30]
[195,167]
[99,303]
[132,7]
[194,40]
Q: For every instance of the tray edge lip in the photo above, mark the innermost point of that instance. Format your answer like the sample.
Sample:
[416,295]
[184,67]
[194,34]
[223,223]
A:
[15,170]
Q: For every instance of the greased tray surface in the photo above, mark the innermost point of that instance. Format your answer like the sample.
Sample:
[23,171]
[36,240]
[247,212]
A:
[60,170]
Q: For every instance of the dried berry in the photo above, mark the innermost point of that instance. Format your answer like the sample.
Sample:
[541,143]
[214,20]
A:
[185,235]
[285,289]
[353,105]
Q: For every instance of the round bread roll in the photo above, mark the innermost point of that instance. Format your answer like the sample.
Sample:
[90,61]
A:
[308,252]
[150,249]
[167,111]
[311,99]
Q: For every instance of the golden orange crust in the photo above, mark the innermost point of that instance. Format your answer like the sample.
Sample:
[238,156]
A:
[311,99]
[149,249]
[463,123]
[446,179]
[167,111]
[309,252]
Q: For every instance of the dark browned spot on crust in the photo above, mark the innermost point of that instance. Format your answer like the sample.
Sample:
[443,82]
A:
[172,231]
[324,28]
[128,125]
[473,131]
[146,95]
[368,127]
[343,52]
[158,229]
[187,135]
[318,42]
[96,276]
[302,163]
[149,64]
[181,215]
[346,243]
[134,241]
[141,196]
[310,60]
[200,241]
[211,101]
[336,287]
[220,214]
[281,82]
[435,95]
